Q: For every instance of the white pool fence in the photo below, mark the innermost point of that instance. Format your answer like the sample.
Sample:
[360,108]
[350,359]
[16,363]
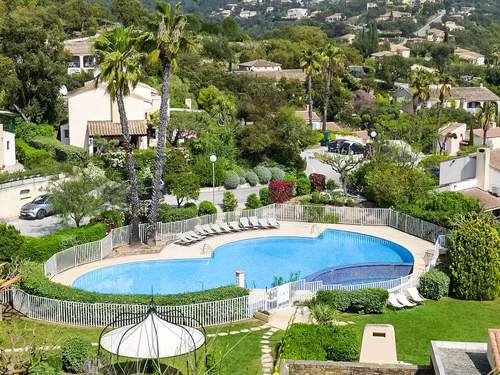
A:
[225,311]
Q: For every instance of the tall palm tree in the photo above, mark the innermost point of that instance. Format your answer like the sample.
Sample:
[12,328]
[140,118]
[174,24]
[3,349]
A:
[488,113]
[420,87]
[168,41]
[332,63]
[310,63]
[120,68]
[445,82]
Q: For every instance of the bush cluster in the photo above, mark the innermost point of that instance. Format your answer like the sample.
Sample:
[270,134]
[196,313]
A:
[280,191]
[317,214]
[252,178]
[206,208]
[434,285]
[241,174]
[61,152]
[11,241]
[318,181]
[112,218]
[293,180]
[253,201]
[265,198]
[31,157]
[321,342]
[232,180]
[34,282]
[263,173]
[277,174]
[303,186]
[366,301]
[169,213]
[74,352]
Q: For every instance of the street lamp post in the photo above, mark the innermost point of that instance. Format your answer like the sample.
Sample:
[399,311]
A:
[213,159]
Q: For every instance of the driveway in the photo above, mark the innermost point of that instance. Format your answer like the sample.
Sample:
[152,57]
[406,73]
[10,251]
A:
[37,228]
[316,166]
[241,194]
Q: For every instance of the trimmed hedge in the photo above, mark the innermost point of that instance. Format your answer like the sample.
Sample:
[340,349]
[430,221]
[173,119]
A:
[31,157]
[229,202]
[264,197]
[277,174]
[434,285]
[232,180]
[34,282]
[206,208]
[263,173]
[367,301]
[321,342]
[253,201]
[252,178]
[42,248]
[303,186]
[59,150]
[169,213]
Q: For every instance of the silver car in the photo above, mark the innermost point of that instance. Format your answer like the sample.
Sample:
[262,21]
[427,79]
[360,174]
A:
[38,208]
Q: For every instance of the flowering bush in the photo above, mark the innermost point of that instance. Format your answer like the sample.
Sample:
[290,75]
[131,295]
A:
[280,191]
[318,181]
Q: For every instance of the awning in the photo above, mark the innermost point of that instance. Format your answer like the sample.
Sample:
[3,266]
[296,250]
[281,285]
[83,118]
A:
[110,129]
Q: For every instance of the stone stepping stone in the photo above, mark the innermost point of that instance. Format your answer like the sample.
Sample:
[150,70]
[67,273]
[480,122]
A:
[234,332]
[212,335]
[254,329]
[222,334]
[266,350]
[245,330]
[264,341]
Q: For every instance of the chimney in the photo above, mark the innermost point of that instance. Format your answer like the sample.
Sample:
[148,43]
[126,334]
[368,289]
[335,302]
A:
[483,168]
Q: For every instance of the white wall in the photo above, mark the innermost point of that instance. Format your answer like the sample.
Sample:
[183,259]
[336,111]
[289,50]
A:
[492,143]
[9,148]
[494,177]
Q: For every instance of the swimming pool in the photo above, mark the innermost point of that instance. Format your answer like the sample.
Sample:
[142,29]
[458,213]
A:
[262,259]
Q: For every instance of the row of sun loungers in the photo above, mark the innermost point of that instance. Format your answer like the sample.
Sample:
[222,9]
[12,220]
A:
[400,300]
[200,232]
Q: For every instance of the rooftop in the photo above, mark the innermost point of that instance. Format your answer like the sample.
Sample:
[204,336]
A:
[488,201]
[109,129]
[79,46]
[305,115]
[450,128]
[260,63]
[492,133]
[467,54]
[277,74]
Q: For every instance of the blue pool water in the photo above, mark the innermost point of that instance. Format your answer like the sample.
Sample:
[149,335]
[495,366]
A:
[261,259]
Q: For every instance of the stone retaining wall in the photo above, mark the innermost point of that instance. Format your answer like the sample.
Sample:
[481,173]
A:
[350,368]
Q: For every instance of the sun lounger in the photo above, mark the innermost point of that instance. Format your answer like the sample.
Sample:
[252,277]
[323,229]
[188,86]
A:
[254,222]
[273,223]
[393,301]
[194,235]
[216,228]
[234,226]
[207,228]
[401,297]
[264,223]
[224,227]
[245,224]
[415,295]
[185,240]
[201,231]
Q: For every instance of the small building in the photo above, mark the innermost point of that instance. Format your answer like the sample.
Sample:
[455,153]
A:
[394,50]
[382,54]
[82,57]
[452,26]
[248,14]
[347,38]
[371,5]
[92,113]
[7,150]
[418,67]
[492,138]
[260,65]
[269,69]
[316,120]
[450,137]
[336,17]
[470,56]
[393,15]
[296,13]
[435,35]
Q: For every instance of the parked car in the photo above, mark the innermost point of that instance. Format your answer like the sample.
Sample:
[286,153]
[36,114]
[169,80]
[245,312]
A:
[334,146]
[352,148]
[38,208]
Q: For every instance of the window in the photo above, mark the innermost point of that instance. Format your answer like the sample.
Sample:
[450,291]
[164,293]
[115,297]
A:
[75,62]
[66,133]
[8,145]
[88,61]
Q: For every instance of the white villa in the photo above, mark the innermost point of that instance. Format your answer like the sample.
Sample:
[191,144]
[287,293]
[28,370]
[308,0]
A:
[450,137]
[296,13]
[92,113]
[269,69]
[82,58]
[7,150]
[470,56]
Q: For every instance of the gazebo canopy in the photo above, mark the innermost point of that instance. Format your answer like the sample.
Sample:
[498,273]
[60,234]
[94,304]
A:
[152,338]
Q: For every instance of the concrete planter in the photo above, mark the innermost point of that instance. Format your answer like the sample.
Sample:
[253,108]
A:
[261,316]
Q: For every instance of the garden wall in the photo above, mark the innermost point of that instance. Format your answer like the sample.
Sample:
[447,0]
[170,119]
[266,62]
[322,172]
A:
[350,368]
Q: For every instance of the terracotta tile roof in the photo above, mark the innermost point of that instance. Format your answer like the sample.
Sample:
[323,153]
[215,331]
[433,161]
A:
[480,94]
[305,115]
[277,74]
[492,133]
[384,54]
[467,54]
[488,201]
[450,128]
[109,129]
[80,46]
[260,63]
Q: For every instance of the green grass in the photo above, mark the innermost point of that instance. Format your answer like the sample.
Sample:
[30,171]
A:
[447,320]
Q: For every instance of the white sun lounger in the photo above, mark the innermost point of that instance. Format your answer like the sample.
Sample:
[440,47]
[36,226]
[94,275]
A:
[245,223]
[273,223]
[401,297]
[224,226]
[234,226]
[207,228]
[264,223]
[216,228]
[415,295]
[254,222]
[393,301]
[201,231]
[183,240]
[195,235]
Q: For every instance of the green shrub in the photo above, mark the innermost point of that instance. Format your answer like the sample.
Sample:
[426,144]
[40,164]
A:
[74,352]
[303,186]
[253,201]
[31,157]
[169,213]
[27,131]
[264,197]
[331,185]
[366,301]
[232,180]
[252,178]
[43,368]
[321,342]
[263,173]
[229,202]
[112,218]
[276,174]
[323,313]
[206,208]
[62,152]
[36,283]
[434,285]
[474,259]
[293,180]
[11,241]
[42,248]
[241,174]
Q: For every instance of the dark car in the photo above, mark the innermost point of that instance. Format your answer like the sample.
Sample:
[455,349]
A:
[352,148]
[335,146]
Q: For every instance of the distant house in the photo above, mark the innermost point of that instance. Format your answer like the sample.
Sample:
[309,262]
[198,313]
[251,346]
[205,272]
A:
[470,56]
[394,15]
[248,13]
[347,38]
[82,57]
[395,50]
[7,150]
[92,113]
[435,35]
[476,175]
[382,54]
[492,137]
[371,5]
[450,137]
[417,67]
[335,18]
[269,69]
[296,13]
[316,120]
[452,26]
[471,99]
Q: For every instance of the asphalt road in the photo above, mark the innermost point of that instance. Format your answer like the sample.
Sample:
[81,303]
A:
[422,32]
[37,228]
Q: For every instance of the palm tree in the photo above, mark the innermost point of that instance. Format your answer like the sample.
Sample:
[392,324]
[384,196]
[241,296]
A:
[169,40]
[120,68]
[420,86]
[332,62]
[310,63]
[445,82]
[495,54]
[488,113]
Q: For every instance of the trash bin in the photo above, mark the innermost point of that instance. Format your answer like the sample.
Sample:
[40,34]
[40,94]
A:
[326,138]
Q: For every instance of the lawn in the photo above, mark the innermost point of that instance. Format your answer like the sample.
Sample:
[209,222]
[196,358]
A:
[447,320]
